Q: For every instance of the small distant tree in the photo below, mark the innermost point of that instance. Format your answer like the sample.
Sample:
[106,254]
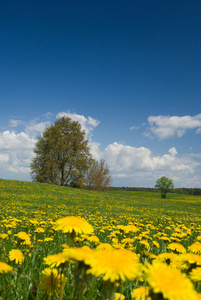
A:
[98,176]
[164,184]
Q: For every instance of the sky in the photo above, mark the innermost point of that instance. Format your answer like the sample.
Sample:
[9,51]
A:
[128,71]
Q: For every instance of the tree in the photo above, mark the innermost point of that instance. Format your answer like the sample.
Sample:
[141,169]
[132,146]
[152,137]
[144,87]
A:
[98,176]
[164,184]
[62,155]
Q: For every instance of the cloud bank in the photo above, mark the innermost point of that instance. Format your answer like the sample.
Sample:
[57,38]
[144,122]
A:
[16,153]
[139,165]
[164,127]
[130,166]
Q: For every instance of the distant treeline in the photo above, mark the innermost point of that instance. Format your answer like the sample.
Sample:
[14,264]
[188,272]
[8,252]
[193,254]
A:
[185,191]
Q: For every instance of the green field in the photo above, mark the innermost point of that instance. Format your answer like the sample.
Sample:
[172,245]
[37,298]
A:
[34,208]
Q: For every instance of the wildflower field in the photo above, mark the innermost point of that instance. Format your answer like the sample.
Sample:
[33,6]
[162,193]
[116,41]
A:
[64,243]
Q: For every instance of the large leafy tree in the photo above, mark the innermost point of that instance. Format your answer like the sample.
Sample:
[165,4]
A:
[62,155]
[98,176]
[164,184]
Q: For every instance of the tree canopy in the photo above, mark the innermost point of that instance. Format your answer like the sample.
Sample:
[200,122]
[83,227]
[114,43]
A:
[164,184]
[62,155]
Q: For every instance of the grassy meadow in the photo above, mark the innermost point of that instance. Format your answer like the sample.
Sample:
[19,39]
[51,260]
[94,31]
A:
[119,245]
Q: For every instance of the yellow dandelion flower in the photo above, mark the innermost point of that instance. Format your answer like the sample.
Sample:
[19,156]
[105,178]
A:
[4,268]
[26,242]
[156,244]
[148,254]
[115,233]
[199,238]
[189,259]
[118,245]
[171,259]
[33,222]
[198,296]
[128,228]
[115,241]
[177,247]
[195,248]
[114,264]
[174,239]
[16,255]
[171,283]
[25,237]
[55,260]
[165,239]
[145,236]
[39,230]
[120,227]
[167,257]
[145,243]
[141,293]
[78,254]
[50,281]
[94,239]
[48,239]
[195,275]
[127,241]
[73,224]
[104,246]
[64,246]
[84,237]
[22,235]
[11,225]
[4,236]
[119,296]
[78,240]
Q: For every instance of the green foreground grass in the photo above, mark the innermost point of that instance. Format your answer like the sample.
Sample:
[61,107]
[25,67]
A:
[25,207]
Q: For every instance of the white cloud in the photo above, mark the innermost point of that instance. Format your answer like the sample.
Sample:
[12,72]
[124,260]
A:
[95,150]
[129,160]
[134,128]
[16,152]
[173,151]
[166,126]
[49,115]
[16,123]
[139,167]
[34,128]
[198,130]
[4,157]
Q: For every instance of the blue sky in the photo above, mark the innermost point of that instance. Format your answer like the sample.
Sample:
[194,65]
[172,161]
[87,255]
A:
[129,71]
